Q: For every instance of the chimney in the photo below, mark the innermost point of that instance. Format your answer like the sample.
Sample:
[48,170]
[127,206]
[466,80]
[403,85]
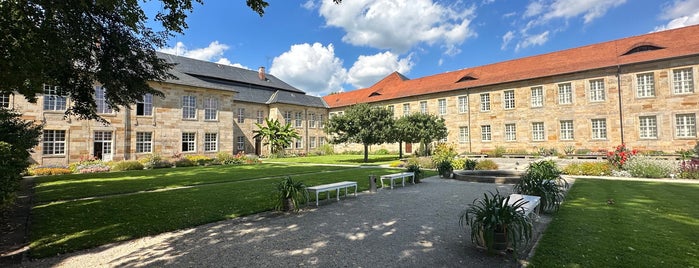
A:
[261,73]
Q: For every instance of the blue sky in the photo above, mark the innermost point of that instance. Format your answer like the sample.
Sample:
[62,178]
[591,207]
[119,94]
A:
[321,47]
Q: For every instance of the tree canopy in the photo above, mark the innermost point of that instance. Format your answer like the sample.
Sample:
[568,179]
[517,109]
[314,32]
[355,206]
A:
[75,44]
[422,128]
[276,135]
[17,137]
[363,124]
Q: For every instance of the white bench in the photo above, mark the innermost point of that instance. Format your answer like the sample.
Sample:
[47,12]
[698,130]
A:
[531,205]
[333,186]
[402,176]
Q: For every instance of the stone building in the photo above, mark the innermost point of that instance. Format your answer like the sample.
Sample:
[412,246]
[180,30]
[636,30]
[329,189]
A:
[641,91]
[209,108]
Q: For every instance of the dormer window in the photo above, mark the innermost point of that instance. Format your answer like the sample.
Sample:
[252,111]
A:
[642,48]
[466,78]
[374,94]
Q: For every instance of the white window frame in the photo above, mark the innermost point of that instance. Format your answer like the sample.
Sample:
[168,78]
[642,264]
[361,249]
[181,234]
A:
[686,125]
[298,143]
[241,116]
[423,107]
[312,142]
[442,106]
[463,104]
[508,99]
[511,132]
[311,120]
[392,109]
[106,138]
[648,127]
[486,133]
[190,140]
[567,130]
[597,90]
[298,122]
[287,117]
[145,105]
[211,109]
[53,101]
[53,142]
[260,116]
[5,100]
[101,101]
[321,141]
[406,109]
[144,142]
[683,81]
[599,128]
[645,85]
[463,134]
[240,143]
[189,107]
[537,97]
[485,102]
[565,93]
[538,131]
[211,142]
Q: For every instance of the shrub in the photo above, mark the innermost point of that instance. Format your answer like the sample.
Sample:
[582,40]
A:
[458,163]
[569,149]
[696,149]
[326,149]
[290,195]
[444,168]
[588,169]
[620,155]
[381,152]
[646,167]
[127,165]
[183,162]
[423,162]
[49,170]
[396,164]
[583,151]
[417,170]
[93,167]
[486,164]
[689,169]
[152,161]
[443,152]
[470,164]
[542,179]
[499,151]
[199,160]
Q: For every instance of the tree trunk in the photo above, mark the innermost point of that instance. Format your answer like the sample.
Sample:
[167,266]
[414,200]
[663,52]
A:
[366,153]
[400,149]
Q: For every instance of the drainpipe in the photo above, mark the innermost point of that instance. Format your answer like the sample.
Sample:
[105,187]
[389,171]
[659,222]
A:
[468,114]
[621,114]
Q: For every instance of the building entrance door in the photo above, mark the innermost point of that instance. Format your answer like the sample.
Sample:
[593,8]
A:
[102,146]
[408,148]
[258,147]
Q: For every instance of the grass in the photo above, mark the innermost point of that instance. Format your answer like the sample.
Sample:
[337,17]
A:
[649,224]
[65,226]
[342,159]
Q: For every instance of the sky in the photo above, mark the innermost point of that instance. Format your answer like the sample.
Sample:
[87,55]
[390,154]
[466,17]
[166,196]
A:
[321,47]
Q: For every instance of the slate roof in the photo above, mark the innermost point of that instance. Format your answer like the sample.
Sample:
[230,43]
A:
[246,83]
[643,48]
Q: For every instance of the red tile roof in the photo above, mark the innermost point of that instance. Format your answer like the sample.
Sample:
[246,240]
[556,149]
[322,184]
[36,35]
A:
[672,43]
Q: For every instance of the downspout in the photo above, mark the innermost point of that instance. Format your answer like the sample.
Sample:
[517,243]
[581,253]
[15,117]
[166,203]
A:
[306,139]
[468,106]
[621,114]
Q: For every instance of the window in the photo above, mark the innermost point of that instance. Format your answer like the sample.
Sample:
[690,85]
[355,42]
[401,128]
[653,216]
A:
[567,130]
[299,119]
[53,101]
[312,142]
[210,142]
[599,129]
[188,142]
[510,132]
[597,90]
[538,131]
[485,102]
[312,120]
[645,85]
[686,125]
[103,145]
[509,99]
[537,97]
[423,107]
[240,141]
[321,122]
[5,100]
[241,115]
[406,109]
[260,117]
[287,117]
[321,141]
[101,101]
[299,143]
[682,81]
[648,127]
[486,135]
[391,109]
[463,134]
[211,109]
[565,93]
[144,107]
[463,104]
[144,142]
[189,107]
[54,142]
[442,104]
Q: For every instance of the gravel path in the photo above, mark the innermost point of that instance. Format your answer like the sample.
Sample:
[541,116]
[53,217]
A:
[415,226]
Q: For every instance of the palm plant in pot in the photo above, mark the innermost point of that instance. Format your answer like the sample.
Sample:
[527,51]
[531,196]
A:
[543,179]
[495,223]
[290,195]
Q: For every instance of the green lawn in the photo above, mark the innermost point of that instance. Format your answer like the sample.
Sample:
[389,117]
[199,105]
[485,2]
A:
[649,225]
[64,226]
[342,159]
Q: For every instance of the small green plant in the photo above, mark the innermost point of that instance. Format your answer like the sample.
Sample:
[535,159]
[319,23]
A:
[486,164]
[588,169]
[48,170]
[199,160]
[381,152]
[641,166]
[499,151]
[291,194]
[583,151]
[444,168]
[183,162]
[443,152]
[152,161]
[127,165]
[543,179]
[470,164]
[495,223]
[696,149]
[458,163]
[569,149]
[416,170]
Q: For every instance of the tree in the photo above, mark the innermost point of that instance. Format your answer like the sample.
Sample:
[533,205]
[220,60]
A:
[17,137]
[363,124]
[74,44]
[422,128]
[275,135]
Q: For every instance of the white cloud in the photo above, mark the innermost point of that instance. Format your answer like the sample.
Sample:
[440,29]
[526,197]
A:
[213,53]
[534,9]
[368,70]
[681,13]
[506,39]
[590,9]
[310,5]
[311,68]
[533,40]
[399,25]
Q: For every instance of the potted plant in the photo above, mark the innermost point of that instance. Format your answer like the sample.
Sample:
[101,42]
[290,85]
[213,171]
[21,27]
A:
[444,168]
[543,179]
[495,223]
[290,195]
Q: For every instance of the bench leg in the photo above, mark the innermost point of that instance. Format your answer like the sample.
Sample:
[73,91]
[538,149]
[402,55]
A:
[403,181]
[337,196]
[316,198]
